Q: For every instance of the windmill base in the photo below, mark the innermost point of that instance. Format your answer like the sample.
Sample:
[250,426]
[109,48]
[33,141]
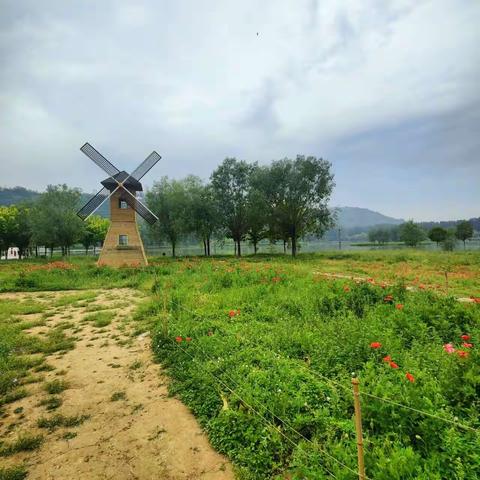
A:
[115,255]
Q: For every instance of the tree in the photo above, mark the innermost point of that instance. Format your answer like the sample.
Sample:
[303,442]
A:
[231,183]
[94,232]
[257,209]
[437,235]
[15,229]
[54,218]
[169,200]
[204,212]
[411,234]
[297,193]
[380,235]
[464,231]
[450,240]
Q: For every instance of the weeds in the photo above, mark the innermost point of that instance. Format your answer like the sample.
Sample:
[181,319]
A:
[118,396]
[56,386]
[24,443]
[59,420]
[18,472]
[51,403]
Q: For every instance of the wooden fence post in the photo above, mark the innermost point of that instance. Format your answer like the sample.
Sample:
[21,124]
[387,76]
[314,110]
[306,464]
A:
[358,427]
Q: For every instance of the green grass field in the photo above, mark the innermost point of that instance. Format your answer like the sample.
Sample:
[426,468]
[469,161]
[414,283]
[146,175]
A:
[263,349]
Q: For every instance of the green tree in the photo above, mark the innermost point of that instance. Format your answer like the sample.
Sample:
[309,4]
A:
[231,183]
[94,232]
[437,235]
[450,240]
[54,218]
[379,235]
[169,200]
[411,233]
[8,226]
[204,212]
[297,193]
[257,210]
[464,231]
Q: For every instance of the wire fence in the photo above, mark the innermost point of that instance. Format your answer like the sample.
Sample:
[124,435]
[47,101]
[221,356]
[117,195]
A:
[333,384]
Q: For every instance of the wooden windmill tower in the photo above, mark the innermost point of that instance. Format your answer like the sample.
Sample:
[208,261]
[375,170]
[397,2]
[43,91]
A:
[122,245]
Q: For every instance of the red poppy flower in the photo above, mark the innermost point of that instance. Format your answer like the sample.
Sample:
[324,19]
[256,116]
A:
[465,337]
[393,365]
[178,339]
[421,286]
[399,306]
[462,353]
[467,345]
[388,298]
[346,288]
[388,358]
[383,285]
[375,345]
[410,377]
[188,339]
[231,313]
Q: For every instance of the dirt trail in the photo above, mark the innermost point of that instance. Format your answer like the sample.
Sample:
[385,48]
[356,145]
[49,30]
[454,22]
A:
[134,430]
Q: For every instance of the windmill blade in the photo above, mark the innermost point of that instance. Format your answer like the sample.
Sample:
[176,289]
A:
[145,166]
[99,159]
[140,208]
[94,203]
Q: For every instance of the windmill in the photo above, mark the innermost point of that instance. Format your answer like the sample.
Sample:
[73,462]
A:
[122,245]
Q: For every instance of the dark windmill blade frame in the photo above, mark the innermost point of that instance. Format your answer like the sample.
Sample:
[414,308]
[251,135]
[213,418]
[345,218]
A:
[104,194]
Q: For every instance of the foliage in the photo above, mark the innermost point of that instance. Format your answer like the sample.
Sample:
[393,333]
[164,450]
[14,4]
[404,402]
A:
[297,192]
[450,240]
[379,235]
[94,231]
[437,235]
[269,340]
[54,219]
[411,233]
[464,231]
[231,184]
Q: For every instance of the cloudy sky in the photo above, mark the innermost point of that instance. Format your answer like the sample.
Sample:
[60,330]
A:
[388,91]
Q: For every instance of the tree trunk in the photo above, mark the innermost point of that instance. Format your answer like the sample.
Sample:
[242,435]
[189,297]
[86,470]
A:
[464,245]
[86,251]
[294,244]
[45,252]
[94,249]
[204,247]
[239,249]
[173,249]
[284,246]
[255,247]
[208,246]
[51,252]
[235,247]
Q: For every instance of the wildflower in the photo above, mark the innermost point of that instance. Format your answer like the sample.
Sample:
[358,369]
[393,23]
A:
[178,339]
[467,345]
[448,347]
[399,306]
[410,377]
[393,365]
[388,298]
[465,337]
[275,279]
[231,313]
[188,339]
[383,285]
[375,345]
[462,353]
[421,286]
[346,288]
[388,358]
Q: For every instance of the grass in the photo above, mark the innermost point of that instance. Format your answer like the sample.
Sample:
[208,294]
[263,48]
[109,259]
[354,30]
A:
[59,420]
[100,319]
[18,472]
[56,386]
[295,328]
[118,396]
[24,443]
[51,403]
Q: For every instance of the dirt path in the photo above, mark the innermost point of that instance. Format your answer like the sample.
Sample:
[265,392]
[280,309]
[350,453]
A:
[133,430]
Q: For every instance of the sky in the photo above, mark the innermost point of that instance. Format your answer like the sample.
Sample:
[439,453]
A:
[387,91]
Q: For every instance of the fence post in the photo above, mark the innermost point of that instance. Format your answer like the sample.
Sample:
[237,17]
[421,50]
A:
[358,427]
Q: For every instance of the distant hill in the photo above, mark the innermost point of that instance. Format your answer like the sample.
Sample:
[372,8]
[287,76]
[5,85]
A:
[12,196]
[16,195]
[356,217]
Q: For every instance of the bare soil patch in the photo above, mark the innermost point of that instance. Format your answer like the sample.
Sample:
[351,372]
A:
[115,419]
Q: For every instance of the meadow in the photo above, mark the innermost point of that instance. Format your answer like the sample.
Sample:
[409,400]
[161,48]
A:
[263,349]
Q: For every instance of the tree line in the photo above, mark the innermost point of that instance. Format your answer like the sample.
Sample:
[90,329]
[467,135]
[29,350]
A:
[283,201]
[412,234]
[49,222]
